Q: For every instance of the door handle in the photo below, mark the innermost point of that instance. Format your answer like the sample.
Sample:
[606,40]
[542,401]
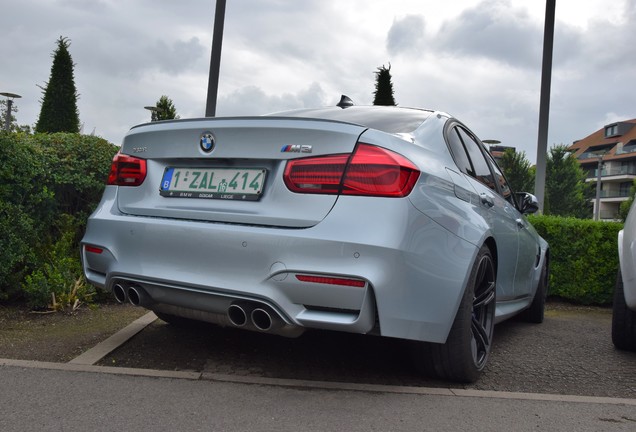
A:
[486,200]
[520,224]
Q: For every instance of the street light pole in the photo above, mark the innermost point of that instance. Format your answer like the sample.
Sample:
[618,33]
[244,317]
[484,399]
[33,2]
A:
[597,206]
[544,104]
[215,59]
[10,97]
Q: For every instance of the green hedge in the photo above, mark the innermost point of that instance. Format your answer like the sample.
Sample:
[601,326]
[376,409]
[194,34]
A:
[583,257]
[50,183]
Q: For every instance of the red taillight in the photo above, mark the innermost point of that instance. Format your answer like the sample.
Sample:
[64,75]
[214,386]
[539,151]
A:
[127,171]
[376,171]
[331,280]
[322,174]
[93,249]
[371,171]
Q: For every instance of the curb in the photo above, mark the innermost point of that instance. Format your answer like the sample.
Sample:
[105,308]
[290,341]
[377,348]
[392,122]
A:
[316,385]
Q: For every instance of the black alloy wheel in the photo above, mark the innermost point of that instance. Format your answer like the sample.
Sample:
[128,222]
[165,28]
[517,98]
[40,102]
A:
[483,316]
[468,345]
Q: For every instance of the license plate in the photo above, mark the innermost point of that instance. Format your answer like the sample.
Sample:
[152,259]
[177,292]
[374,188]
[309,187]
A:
[241,184]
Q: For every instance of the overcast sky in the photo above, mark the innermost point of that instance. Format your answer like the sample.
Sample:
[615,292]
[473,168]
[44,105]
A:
[477,60]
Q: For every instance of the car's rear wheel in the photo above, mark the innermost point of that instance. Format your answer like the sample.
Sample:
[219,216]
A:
[535,313]
[466,351]
[623,319]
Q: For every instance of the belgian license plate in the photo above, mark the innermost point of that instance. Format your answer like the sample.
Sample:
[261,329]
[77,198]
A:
[241,184]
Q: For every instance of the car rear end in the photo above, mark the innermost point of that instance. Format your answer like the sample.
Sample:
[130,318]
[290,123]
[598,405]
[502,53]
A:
[277,225]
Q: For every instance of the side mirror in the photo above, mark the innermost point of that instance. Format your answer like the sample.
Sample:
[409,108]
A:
[527,203]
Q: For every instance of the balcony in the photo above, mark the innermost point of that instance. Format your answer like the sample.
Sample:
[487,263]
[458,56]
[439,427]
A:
[588,155]
[613,171]
[615,194]
[626,149]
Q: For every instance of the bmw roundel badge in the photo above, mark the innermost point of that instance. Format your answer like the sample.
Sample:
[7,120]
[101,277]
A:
[206,142]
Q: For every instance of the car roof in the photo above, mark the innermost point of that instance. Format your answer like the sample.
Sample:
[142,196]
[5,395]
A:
[390,119]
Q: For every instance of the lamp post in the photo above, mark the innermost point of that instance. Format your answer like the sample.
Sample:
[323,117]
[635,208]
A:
[597,205]
[10,97]
[153,110]
[491,142]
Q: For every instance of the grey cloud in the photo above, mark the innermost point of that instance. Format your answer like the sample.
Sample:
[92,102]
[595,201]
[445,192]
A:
[406,34]
[494,29]
[252,100]
[178,56]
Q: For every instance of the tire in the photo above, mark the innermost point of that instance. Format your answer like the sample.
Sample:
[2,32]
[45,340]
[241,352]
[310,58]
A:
[466,351]
[623,319]
[535,313]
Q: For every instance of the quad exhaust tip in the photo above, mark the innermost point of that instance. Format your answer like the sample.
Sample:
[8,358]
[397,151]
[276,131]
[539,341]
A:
[261,319]
[134,296]
[120,293]
[242,314]
[130,293]
[237,315]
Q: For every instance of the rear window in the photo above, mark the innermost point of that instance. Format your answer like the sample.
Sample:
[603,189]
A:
[386,119]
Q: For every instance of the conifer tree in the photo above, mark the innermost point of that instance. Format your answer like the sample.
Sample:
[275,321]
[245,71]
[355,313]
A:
[165,109]
[566,192]
[59,111]
[383,87]
[518,170]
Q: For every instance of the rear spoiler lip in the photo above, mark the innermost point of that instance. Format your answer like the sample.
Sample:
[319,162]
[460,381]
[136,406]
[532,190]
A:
[242,118]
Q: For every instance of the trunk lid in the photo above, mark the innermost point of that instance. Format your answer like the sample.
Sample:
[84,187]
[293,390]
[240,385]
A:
[240,180]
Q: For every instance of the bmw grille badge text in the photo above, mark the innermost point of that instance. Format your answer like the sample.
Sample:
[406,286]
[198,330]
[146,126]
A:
[206,142]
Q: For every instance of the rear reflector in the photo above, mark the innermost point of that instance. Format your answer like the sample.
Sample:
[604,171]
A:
[93,249]
[331,280]
[370,171]
[127,171]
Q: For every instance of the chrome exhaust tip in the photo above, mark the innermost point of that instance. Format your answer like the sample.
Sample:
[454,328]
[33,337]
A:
[120,293]
[237,315]
[134,296]
[261,319]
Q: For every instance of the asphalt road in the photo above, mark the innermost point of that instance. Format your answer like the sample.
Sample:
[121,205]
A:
[35,399]
[569,354]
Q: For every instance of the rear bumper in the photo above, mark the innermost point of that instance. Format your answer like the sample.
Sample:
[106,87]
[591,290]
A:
[413,270]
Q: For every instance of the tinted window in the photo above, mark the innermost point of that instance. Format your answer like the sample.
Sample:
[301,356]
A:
[481,170]
[459,153]
[501,181]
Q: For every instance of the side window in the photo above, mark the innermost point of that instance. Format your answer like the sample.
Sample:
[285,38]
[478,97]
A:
[459,153]
[501,181]
[481,170]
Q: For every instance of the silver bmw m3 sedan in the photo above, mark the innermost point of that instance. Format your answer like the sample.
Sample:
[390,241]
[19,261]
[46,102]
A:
[387,221]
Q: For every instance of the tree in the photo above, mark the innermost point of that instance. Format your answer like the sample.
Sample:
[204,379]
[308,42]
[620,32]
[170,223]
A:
[165,110]
[566,192]
[59,111]
[517,170]
[383,87]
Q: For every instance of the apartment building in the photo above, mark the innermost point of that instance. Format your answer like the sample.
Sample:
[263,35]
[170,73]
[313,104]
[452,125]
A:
[613,148]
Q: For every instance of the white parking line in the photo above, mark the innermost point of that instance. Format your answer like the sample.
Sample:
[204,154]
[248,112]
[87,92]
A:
[107,346]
